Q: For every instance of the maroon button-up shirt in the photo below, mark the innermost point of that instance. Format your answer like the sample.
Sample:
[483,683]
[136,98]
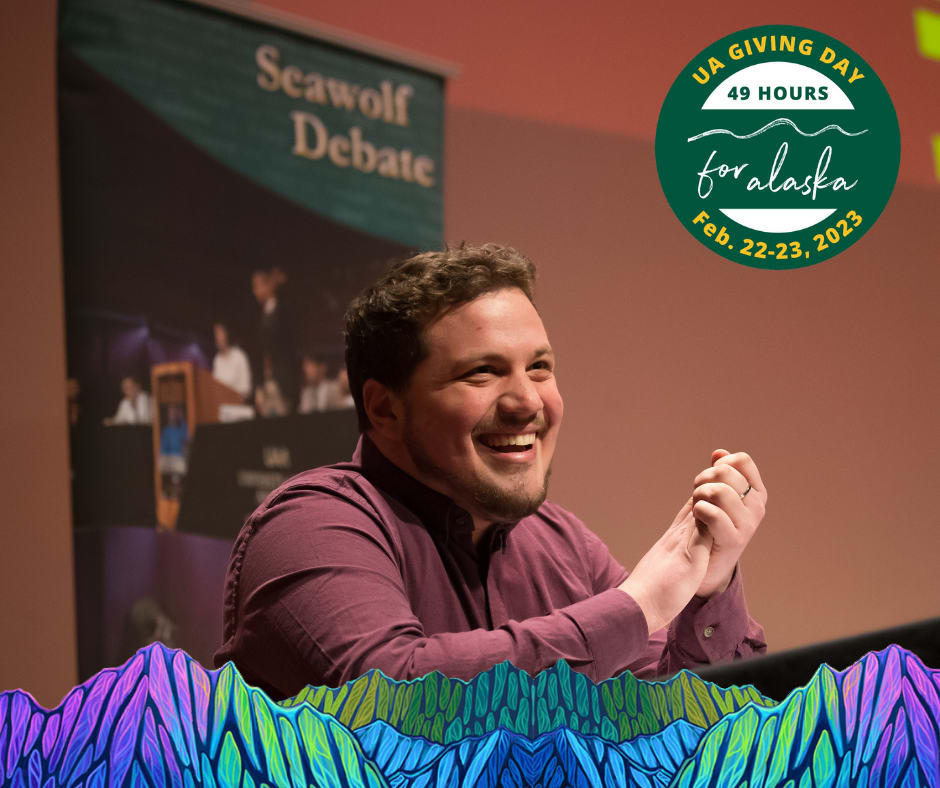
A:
[359,565]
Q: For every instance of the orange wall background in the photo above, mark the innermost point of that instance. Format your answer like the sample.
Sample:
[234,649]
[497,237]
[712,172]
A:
[37,608]
[827,375]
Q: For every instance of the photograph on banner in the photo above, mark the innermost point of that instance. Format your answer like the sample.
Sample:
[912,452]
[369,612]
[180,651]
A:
[227,187]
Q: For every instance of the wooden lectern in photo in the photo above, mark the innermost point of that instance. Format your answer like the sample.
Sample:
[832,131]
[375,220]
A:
[184,395]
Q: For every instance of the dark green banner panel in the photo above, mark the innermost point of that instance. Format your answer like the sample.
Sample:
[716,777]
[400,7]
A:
[355,139]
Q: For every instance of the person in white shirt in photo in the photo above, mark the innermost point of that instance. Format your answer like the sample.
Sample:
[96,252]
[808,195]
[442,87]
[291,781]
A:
[317,392]
[230,365]
[135,407]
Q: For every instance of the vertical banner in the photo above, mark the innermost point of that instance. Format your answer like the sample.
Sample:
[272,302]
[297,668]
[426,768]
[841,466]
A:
[227,186]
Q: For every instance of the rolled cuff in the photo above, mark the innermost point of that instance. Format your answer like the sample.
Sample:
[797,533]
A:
[710,630]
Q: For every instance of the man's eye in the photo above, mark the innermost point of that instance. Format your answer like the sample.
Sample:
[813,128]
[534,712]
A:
[543,365]
[483,369]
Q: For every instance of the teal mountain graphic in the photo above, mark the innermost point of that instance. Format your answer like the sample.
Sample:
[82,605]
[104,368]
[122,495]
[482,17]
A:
[161,719]
[445,710]
[559,758]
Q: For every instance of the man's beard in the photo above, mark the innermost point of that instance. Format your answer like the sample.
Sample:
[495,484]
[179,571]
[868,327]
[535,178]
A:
[489,500]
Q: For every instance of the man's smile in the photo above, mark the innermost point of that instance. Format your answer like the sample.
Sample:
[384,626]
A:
[510,448]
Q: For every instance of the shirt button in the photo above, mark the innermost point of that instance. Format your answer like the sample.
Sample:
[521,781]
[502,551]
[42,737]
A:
[708,631]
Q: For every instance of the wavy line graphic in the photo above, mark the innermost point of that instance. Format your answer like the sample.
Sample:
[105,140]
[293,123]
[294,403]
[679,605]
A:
[774,123]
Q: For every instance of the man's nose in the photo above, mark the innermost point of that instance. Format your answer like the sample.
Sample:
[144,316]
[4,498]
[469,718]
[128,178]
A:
[521,397]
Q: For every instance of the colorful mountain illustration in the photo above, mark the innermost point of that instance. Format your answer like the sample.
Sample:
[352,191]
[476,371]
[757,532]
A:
[161,719]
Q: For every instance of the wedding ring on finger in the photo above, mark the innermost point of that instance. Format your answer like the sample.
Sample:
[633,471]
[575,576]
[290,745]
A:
[745,492]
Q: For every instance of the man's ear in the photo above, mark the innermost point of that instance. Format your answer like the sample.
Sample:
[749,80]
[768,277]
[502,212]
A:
[384,409]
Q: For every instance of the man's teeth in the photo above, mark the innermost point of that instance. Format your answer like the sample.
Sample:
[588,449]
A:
[497,441]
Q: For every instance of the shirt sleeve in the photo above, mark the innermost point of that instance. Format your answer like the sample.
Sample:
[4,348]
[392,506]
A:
[322,605]
[717,629]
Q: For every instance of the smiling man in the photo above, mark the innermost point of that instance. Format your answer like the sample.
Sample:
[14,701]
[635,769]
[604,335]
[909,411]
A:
[435,549]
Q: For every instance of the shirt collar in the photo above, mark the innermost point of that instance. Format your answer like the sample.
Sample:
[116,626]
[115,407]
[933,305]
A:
[438,513]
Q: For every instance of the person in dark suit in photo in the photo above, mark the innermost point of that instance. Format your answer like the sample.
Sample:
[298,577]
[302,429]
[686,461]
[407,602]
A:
[276,340]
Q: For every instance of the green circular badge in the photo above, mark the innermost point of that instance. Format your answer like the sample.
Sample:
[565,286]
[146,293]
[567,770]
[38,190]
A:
[777,147]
